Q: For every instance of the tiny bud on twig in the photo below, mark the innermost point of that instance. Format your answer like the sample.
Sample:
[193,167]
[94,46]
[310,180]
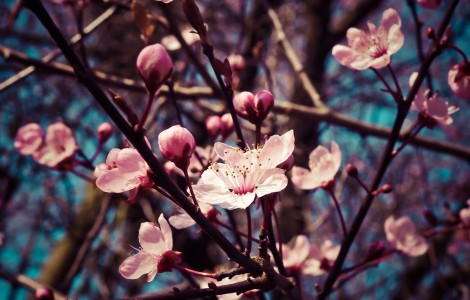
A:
[352,170]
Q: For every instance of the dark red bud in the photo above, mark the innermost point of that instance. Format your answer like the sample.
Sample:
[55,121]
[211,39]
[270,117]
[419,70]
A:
[352,170]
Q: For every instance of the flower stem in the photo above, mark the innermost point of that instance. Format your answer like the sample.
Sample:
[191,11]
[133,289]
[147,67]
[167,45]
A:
[387,86]
[409,139]
[340,214]
[188,182]
[142,120]
[234,230]
[258,135]
[170,85]
[194,272]
[397,85]
[250,238]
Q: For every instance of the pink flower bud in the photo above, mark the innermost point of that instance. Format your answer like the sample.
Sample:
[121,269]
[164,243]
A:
[28,138]
[154,66]
[214,125]
[431,4]
[254,108]
[459,80]
[227,125]
[177,144]
[104,132]
[465,214]
[44,293]
[237,62]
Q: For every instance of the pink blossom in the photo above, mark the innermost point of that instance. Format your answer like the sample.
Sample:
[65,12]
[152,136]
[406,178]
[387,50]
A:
[308,259]
[254,108]
[294,257]
[177,144]
[154,66]
[434,109]
[401,234]
[204,283]
[373,49]
[156,255]
[124,170]
[459,80]
[323,164]
[228,126]
[171,42]
[183,220]
[59,146]
[28,138]
[104,132]
[320,259]
[431,4]
[245,174]
[465,214]
[214,125]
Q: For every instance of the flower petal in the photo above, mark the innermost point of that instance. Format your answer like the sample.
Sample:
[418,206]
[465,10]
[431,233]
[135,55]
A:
[304,179]
[181,221]
[272,184]
[166,231]
[151,238]
[137,265]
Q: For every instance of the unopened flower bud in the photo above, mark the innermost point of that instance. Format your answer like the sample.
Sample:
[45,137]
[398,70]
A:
[227,125]
[28,138]
[430,34]
[214,125]
[431,4]
[352,170]
[177,144]
[44,293]
[459,80]
[154,66]
[104,132]
[386,188]
[254,108]
[375,251]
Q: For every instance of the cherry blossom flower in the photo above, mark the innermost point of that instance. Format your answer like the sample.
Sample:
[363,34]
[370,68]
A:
[183,220]
[294,257]
[434,109]
[465,214]
[373,49]
[431,4]
[245,174]
[254,108]
[177,144]
[154,66]
[401,234]
[171,43]
[323,164]
[124,170]
[156,255]
[59,146]
[320,259]
[28,138]
[308,259]
[459,80]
